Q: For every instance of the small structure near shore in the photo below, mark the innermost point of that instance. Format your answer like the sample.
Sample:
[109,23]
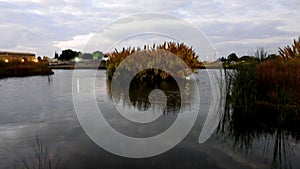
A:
[17,56]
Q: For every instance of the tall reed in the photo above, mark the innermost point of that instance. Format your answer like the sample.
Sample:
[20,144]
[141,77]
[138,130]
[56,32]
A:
[266,90]
[176,49]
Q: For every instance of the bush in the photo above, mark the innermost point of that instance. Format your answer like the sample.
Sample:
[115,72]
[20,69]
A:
[178,49]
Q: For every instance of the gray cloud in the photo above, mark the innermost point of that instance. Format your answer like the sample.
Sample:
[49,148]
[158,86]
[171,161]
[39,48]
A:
[232,25]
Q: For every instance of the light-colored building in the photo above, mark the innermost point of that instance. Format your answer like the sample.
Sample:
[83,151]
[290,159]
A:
[17,56]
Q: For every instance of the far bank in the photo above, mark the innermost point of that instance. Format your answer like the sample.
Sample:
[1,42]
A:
[22,69]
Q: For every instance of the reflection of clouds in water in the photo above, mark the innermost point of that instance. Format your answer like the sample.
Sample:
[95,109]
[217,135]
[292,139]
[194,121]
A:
[62,133]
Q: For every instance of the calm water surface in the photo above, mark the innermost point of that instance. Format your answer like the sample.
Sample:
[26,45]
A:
[34,106]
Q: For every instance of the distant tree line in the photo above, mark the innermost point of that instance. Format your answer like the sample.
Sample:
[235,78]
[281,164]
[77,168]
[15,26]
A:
[259,54]
[69,54]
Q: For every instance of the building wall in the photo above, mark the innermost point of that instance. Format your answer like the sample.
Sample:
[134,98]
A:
[17,56]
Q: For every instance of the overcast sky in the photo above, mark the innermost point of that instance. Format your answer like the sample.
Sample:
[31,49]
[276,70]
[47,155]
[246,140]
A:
[240,26]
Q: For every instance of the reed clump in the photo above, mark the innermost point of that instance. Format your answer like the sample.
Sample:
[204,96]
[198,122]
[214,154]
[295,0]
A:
[278,90]
[268,90]
[180,50]
[291,52]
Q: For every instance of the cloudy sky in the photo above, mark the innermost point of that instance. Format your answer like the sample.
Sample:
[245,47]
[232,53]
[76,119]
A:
[46,26]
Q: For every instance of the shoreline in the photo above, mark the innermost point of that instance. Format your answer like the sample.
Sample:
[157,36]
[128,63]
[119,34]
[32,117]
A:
[103,67]
[16,69]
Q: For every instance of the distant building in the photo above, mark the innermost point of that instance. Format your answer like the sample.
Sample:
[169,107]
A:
[16,56]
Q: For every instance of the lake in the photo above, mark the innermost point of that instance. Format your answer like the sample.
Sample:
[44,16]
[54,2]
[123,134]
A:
[36,106]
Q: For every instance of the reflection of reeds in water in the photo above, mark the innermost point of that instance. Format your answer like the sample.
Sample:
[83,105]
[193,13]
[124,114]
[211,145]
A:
[139,92]
[41,158]
[283,150]
[246,133]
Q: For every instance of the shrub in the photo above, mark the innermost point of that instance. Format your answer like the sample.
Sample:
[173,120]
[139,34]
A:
[177,49]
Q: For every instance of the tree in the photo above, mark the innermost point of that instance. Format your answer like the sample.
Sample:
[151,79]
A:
[261,53]
[223,59]
[56,55]
[80,55]
[98,55]
[232,57]
[68,55]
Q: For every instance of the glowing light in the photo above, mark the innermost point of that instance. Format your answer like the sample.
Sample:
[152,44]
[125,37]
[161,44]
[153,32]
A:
[35,60]
[6,60]
[23,60]
[77,59]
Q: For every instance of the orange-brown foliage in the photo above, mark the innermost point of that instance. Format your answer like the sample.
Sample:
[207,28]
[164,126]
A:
[277,77]
[178,49]
[291,52]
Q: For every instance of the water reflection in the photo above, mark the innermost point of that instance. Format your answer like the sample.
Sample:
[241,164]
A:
[147,108]
[142,98]
[33,106]
[247,133]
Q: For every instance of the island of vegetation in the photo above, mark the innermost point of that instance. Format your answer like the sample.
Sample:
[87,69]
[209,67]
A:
[185,53]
